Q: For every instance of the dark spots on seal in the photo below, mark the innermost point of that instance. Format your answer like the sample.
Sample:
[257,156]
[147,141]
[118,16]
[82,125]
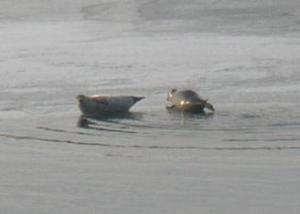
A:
[189,95]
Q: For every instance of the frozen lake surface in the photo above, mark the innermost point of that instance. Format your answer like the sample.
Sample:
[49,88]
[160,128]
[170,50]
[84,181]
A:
[243,56]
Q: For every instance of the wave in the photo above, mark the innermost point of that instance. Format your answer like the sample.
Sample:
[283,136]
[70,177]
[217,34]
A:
[161,147]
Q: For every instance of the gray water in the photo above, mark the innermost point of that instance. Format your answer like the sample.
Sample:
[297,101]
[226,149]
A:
[243,56]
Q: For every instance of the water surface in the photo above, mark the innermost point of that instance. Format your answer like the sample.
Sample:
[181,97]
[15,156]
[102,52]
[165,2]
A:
[243,56]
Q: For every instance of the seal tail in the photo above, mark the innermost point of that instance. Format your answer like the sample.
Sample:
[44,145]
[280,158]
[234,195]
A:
[136,99]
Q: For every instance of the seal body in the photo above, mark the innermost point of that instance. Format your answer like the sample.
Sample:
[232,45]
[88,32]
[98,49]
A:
[99,105]
[187,100]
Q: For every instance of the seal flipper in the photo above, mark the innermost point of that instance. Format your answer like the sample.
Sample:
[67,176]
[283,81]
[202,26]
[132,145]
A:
[136,99]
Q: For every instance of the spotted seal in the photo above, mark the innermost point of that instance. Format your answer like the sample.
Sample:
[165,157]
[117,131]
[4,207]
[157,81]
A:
[98,105]
[188,101]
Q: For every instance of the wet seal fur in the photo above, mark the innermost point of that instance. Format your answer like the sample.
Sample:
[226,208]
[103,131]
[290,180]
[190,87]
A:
[100,105]
[187,101]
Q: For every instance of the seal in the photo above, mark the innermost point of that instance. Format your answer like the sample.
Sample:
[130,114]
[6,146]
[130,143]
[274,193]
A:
[99,105]
[188,101]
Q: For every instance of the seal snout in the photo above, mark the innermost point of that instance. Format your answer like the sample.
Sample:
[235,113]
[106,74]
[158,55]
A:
[80,98]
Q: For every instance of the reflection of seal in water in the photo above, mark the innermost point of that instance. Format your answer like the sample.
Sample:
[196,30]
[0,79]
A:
[99,105]
[86,123]
[187,100]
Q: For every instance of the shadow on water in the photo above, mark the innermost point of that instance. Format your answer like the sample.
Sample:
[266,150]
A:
[139,122]
[185,117]
[115,116]
[100,124]
[93,122]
